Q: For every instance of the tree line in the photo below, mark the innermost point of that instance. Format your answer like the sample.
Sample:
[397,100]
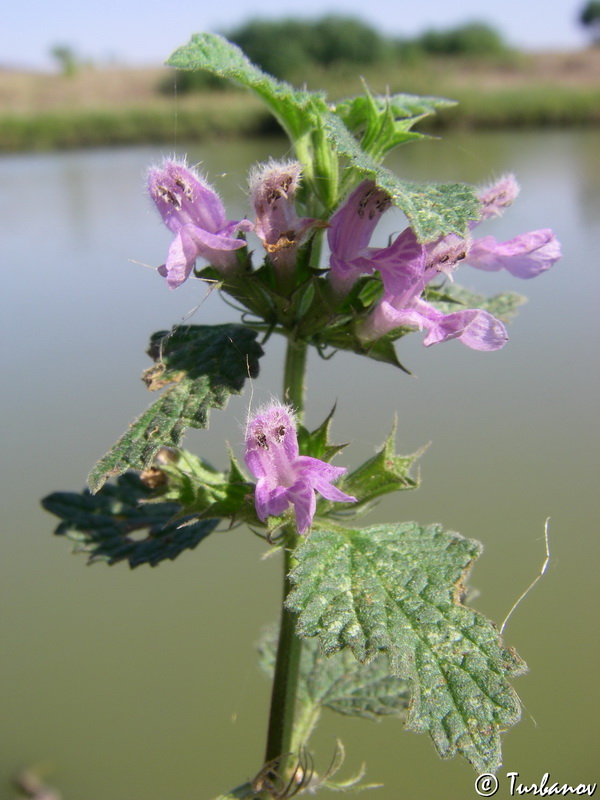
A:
[288,47]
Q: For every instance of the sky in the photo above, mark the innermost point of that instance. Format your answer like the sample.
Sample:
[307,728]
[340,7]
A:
[145,32]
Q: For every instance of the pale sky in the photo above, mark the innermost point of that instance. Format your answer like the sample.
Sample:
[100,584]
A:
[146,31]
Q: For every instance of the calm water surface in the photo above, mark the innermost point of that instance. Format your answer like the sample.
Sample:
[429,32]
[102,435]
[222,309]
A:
[129,685]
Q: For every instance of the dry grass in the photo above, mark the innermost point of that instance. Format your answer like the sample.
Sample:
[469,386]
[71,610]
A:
[98,107]
[103,89]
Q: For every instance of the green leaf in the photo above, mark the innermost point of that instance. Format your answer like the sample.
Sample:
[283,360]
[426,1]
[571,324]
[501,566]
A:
[320,137]
[201,365]
[384,122]
[316,443]
[433,210]
[503,306]
[118,524]
[295,110]
[341,335]
[199,488]
[341,683]
[386,472]
[399,588]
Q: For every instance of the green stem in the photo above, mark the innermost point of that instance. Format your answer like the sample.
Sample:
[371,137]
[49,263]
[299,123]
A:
[294,376]
[285,682]
[287,662]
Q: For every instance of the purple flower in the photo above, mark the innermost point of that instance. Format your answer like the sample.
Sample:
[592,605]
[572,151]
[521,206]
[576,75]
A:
[284,476]
[350,231]
[195,214]
[524,256]
[406,266]
[273,188]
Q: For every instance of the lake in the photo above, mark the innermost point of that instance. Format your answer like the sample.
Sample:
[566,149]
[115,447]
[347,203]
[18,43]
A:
[143,684]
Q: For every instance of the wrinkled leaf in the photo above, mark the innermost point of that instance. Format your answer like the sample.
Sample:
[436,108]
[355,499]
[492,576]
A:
[382,474]
[398,588]
[433,210]
[341,683]
[320,138]
[118,524]
[199,367]
[295,110]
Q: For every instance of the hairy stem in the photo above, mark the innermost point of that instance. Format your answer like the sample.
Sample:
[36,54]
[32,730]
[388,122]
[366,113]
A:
[287,663]
[294,376]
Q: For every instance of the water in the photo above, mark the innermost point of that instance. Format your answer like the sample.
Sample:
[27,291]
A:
[144,684]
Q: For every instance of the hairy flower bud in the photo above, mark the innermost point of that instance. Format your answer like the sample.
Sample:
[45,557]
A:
[273,188]
[498,196]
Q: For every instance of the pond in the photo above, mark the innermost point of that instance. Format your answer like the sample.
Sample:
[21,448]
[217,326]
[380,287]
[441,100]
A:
[143,684]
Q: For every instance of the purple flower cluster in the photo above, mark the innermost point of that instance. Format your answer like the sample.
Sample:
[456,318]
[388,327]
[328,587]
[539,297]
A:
[284,476]
[193,211]
[407,266]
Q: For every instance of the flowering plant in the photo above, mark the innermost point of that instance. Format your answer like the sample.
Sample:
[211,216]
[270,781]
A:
[376,612]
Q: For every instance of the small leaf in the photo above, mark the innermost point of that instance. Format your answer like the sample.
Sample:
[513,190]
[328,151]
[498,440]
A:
[398,588]
[201,365]
[199,488]
[316,444]
[342,336]
[382,474]
[503,306]
[108,525]
[383,122]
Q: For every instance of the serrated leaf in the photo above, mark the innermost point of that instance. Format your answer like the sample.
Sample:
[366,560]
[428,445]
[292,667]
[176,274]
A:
[503,306]
[202,365]
[433,210]
[398,588]
[108,525]
[384,122]
[341,683]
[294,109]
[318,136]
[316,443]
[382,474]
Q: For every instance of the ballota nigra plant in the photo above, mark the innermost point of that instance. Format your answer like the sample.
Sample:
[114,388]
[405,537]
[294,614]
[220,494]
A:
[372,620]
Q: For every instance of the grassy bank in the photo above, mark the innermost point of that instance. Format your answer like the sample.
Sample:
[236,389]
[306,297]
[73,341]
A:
[118,106]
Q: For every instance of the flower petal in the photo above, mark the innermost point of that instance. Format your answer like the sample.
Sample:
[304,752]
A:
[474,327]
[524,256]
[302,497]
[181,258]
[352,225]
[270,502]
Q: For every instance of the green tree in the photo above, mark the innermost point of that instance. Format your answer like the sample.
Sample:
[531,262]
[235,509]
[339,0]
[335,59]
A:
[472,39]
[66,59]
[286,47]
[590,18]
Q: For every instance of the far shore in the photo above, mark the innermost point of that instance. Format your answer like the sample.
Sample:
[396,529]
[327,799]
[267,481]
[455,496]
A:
[118,106]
